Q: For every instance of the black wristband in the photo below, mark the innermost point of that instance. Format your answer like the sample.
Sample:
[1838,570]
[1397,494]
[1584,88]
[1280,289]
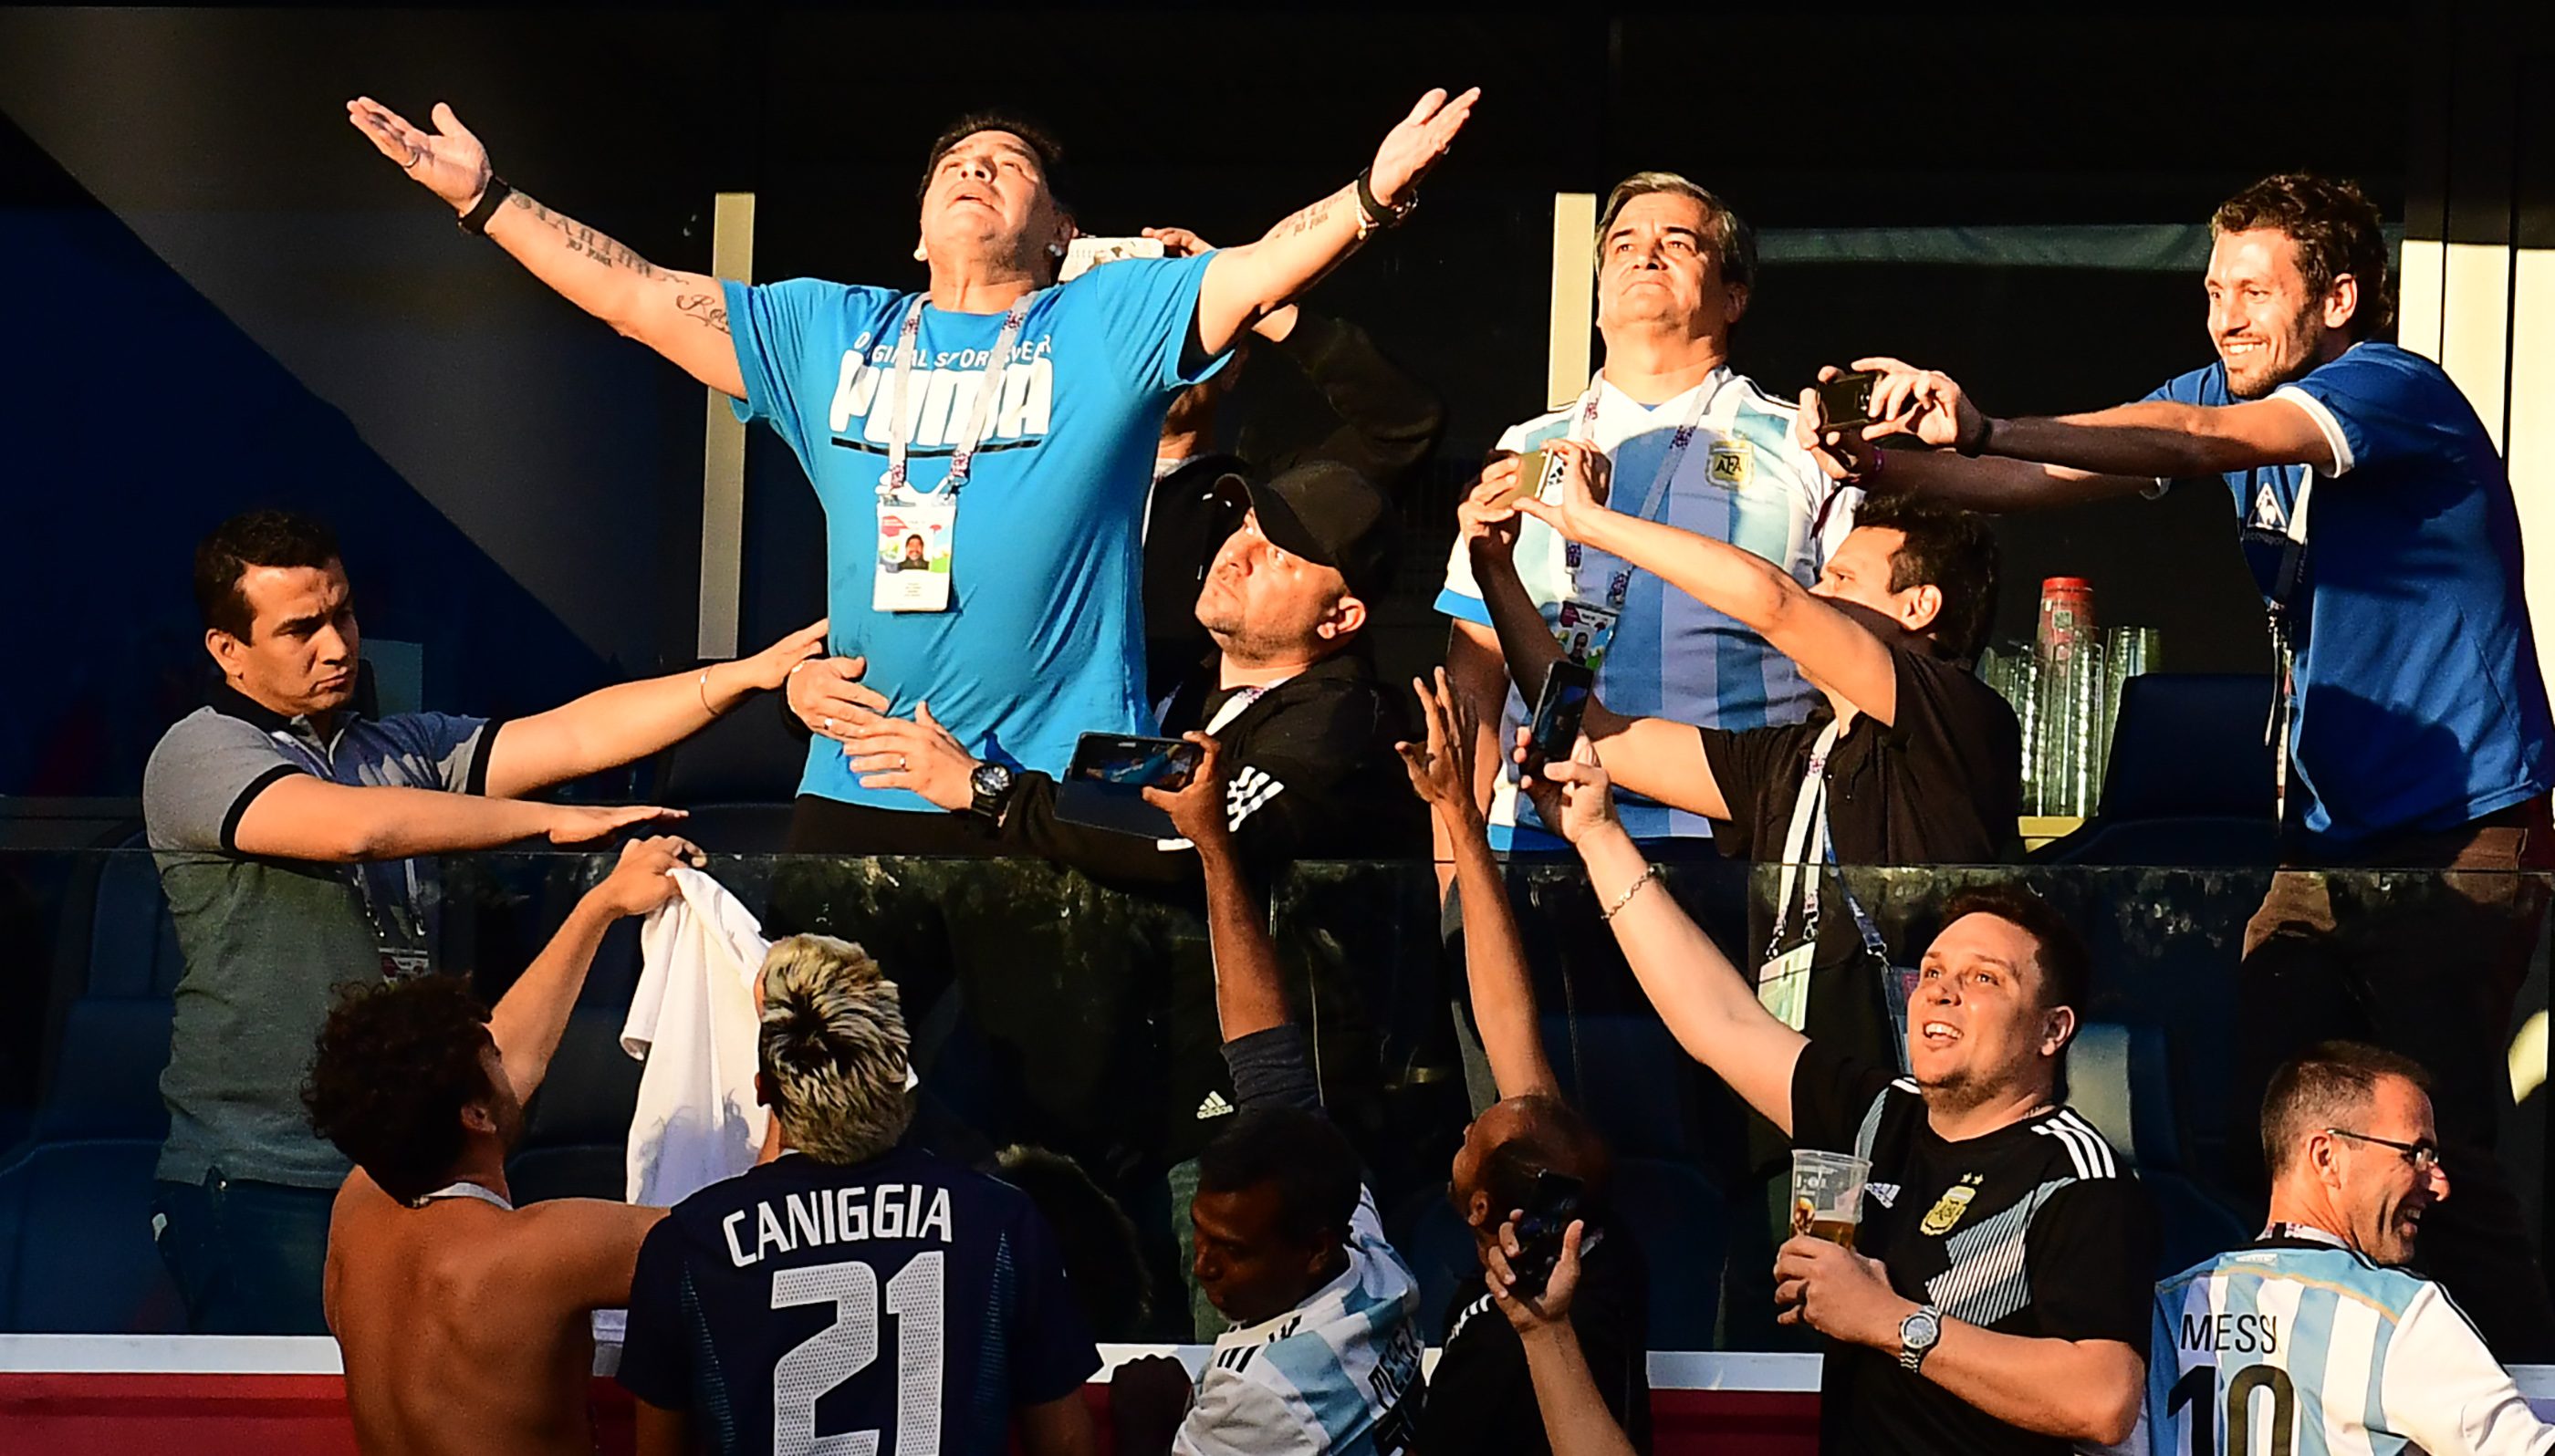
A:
[1977,447]
[1377,214]
[475,221]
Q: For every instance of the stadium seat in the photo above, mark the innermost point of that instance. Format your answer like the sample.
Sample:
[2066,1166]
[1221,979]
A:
[1630,1078]
[2190,777]
[1438,1246]
[2119,1078]
[1676,1214]
[75,1250]
[738,778]
[577,1131]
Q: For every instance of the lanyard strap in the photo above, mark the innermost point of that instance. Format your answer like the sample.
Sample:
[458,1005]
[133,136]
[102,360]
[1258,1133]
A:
[1704,396]
[900,427]
[1807,843]
[468,1189]
[2284,652]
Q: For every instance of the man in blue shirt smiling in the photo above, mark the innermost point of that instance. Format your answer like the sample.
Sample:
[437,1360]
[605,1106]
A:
[2379,522]
[1005,418]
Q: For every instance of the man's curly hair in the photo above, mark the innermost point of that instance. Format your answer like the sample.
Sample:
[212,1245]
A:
[397,1062]
[833,1049]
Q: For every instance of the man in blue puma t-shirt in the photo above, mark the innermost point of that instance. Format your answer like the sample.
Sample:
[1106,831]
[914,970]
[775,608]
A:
[2378,518]
[1006,418]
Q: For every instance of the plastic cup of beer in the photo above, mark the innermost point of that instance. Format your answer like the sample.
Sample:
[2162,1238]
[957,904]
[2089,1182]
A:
[1827,1194]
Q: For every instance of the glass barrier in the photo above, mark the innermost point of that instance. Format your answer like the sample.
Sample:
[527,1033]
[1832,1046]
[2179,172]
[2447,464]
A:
[1051,1012]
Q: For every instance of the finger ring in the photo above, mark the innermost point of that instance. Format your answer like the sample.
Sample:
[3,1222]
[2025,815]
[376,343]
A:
[900,763]
[829,725]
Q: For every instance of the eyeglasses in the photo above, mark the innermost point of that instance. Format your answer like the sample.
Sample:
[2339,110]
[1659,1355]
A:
[2424,1156]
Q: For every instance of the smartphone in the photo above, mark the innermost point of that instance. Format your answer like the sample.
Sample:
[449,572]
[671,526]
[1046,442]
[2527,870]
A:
[1086,253]
[1533,467]
[1556,1202]
[1554,729]
[1134,762]
[1846,400]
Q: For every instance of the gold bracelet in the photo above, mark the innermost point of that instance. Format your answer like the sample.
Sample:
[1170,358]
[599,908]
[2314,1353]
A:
[1648,873]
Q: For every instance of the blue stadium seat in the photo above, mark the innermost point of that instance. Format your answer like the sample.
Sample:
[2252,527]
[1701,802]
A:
[75,1250]
[1676,1214]
[1438,1246]
[1627,1075]
[2119,1078]
[739,778]
[2190,777]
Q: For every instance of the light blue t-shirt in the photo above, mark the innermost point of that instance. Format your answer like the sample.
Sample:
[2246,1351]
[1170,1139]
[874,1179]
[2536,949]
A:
[1044,637]
[2420,705]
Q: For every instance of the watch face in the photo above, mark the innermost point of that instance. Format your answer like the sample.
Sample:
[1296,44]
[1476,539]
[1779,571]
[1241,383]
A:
[1922,1330]
[990,778]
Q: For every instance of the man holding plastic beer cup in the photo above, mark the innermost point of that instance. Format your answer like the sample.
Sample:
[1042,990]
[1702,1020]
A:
[1985,1287]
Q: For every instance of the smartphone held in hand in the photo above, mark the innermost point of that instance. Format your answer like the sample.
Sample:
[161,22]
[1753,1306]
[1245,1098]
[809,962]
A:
[1846,401]
[1558,710]
[1086,253]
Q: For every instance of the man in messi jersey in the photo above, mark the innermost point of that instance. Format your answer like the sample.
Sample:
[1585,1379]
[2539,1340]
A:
[1031,636]
[2379,520]
[1324,1351]
[2315,1338]
[852,1291]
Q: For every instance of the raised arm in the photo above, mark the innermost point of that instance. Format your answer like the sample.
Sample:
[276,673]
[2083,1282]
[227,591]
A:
[1388,420]
[1706,1003]
[2152,439]
[613,726]
[1246,283]
[529,1019]
[1828,646]
[1249,997]
[682,315]
[1575,1419]
[1495,967]
[1943,475]
[301,816]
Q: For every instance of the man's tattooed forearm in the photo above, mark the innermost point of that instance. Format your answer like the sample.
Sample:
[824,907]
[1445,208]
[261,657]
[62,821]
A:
[586,242]
[708,309]
[1309,220]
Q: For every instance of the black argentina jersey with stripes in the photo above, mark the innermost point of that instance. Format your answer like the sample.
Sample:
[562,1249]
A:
[2038,1229]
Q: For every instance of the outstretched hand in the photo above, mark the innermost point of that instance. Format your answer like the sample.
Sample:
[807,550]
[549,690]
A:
[1529,1314]
[1572,795]
[642,880]
[1416,145]
[1441,765]
[448,162]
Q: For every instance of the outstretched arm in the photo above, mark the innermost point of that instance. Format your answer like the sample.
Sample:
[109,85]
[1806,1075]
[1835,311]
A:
[301,816]
[1246,283]
[682,315]
[1706,1003]
[1575,1419]
[612,726]
[1829,647]
[529,1019]
[1441,774]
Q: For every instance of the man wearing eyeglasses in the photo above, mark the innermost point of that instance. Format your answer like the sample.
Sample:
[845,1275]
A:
[2319,1330]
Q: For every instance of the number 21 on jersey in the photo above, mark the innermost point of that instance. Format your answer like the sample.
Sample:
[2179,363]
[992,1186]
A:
[847,1345]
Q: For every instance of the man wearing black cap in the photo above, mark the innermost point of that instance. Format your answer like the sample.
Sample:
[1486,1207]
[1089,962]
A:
[1289,693]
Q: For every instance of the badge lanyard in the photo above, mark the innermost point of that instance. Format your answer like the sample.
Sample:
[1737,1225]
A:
[1685,437]
[900,430]
[2288,546]
[1806,847]
[399,933]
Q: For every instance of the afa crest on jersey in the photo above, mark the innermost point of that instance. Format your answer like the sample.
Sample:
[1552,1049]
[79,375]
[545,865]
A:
[1947,1210]
[1732,464]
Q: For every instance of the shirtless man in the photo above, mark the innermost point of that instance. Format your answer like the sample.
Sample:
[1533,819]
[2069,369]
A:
[462,1320]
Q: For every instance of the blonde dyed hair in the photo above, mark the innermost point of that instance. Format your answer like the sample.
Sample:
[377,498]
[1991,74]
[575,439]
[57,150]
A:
[833,1049]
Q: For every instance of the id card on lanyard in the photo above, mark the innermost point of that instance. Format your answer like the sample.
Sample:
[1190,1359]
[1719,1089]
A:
[1586,623]
[2275,549]
[1784,978]
[917,530]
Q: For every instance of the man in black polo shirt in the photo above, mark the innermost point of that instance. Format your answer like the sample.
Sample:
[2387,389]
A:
[288,826]
[1996,1299]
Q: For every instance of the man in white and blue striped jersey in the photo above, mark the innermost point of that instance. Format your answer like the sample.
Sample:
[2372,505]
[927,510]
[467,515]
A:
[2317,1338]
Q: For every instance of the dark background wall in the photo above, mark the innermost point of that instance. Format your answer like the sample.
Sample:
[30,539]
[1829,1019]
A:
[225,296]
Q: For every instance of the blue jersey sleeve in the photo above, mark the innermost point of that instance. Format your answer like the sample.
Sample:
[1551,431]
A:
[653,1367]
[2379,404]
[776,326]
[1146,310]
[2186,389]
[1054,1350]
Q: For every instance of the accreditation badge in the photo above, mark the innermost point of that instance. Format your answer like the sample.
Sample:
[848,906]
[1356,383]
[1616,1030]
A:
[1584,629]
[914,535]
[1783,986]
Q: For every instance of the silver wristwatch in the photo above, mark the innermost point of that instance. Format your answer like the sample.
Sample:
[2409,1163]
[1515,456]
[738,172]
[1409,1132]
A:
[1917,1335]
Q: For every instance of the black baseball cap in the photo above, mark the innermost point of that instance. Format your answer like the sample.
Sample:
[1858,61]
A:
[1331,514]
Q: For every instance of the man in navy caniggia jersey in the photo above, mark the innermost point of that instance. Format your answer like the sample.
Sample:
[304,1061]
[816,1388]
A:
[1996,1299]
[852,1294]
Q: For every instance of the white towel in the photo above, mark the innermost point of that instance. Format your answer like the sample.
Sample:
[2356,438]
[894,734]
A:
[692,1023]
